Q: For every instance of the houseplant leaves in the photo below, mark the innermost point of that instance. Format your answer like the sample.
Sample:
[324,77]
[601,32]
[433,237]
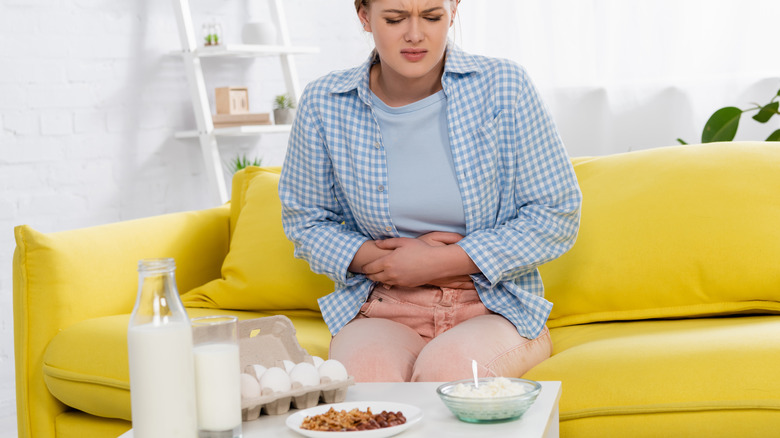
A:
[766,112]
[722,125]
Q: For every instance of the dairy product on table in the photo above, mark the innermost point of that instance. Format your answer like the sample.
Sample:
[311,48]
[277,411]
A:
[498,387]
[162,380]
[217,386]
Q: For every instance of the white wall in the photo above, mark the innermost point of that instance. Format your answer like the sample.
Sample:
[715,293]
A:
[90,97]
[628,75]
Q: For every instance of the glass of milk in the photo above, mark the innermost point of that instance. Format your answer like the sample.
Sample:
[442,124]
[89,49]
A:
[217,376]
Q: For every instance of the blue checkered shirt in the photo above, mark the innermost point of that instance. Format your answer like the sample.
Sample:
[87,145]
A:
[520,194]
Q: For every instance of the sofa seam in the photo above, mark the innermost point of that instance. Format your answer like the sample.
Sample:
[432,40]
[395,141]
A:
[26,333]
[666,409]
[72,376]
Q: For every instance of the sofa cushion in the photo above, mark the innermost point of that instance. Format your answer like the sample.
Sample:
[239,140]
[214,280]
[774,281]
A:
[672,232]
[260,271]
[77,424]
[86,366]
[634,378]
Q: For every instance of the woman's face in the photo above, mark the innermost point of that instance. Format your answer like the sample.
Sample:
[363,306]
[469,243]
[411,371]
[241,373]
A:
[410,35]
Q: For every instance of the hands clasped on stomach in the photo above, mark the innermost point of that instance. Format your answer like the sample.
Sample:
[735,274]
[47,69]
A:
[431,259]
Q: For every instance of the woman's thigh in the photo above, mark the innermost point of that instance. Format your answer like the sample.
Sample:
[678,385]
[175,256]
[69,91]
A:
[377,350]
[491,340]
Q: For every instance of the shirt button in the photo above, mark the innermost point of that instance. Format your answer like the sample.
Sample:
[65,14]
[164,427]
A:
[376,144]
[388,228]
[381,188]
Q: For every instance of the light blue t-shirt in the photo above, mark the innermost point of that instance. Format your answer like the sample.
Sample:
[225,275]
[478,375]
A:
[422,187]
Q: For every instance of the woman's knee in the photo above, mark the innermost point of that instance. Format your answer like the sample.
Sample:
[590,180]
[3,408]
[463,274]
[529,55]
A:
[518,360]
[377,350]
[491,340]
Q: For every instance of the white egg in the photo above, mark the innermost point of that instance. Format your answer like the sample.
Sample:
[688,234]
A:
[334,370]
[250,387]
[305,374]
[257,369]
[275,379]
[288,365]
[317,361]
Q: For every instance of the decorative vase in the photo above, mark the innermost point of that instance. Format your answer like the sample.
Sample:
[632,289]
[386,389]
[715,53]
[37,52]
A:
[259,32]
[284,116]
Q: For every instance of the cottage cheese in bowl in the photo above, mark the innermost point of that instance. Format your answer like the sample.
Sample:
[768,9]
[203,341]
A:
[497,387]
[495,400]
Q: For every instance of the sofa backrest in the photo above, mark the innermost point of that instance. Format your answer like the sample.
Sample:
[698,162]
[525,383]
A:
[260,271]
[681,231]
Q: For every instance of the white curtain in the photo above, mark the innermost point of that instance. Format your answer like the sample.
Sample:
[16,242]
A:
[634,74]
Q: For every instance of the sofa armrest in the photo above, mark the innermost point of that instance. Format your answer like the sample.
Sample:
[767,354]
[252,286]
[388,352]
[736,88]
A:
[66,277]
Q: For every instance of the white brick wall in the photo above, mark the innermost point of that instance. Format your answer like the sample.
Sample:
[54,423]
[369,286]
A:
[89,99]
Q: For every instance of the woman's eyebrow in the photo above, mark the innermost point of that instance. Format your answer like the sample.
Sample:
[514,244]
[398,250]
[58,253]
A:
[403,12]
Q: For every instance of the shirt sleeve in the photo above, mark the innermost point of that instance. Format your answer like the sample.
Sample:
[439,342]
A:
[311,216]
[547,198]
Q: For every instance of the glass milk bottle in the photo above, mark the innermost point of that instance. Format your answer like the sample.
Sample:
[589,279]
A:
[159,343]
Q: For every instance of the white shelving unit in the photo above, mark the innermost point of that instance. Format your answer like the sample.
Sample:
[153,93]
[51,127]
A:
[192,54]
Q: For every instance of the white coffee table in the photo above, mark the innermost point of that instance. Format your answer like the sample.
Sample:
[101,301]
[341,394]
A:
[540,421]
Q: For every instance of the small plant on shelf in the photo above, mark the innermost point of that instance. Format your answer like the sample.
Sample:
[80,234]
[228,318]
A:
[241,162]
[284,109]
[211,33]
[722,125]
[283,101]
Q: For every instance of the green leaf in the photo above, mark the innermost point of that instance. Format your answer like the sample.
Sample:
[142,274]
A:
[767,112]
[775,136]
[722,125]
[681,141]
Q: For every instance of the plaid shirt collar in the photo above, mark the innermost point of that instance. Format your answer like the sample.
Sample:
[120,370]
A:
[456,62]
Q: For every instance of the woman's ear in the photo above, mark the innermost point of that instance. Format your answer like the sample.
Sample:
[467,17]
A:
[454,12]
[363,16]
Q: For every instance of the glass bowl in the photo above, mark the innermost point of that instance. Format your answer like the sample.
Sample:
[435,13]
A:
[488,409]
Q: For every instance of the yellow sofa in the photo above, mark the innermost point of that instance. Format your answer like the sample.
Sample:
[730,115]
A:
[665,318]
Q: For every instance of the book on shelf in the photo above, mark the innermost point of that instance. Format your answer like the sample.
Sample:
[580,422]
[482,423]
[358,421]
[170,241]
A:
[230,120]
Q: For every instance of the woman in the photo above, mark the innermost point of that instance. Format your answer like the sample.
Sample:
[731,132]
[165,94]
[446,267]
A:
[429,184]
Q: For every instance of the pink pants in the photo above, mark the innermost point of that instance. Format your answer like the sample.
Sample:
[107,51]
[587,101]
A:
[432,334]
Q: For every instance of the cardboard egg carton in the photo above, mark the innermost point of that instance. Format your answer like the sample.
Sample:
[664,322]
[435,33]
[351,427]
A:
[268,342]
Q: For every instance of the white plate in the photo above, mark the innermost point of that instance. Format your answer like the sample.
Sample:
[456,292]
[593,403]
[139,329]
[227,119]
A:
[413,414]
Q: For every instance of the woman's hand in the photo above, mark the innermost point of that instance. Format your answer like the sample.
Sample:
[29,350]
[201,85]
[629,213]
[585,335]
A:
[412,262]
[367,253]
[429,259]
[441,238]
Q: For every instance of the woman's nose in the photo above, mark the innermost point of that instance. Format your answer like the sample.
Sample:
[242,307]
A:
[414,33]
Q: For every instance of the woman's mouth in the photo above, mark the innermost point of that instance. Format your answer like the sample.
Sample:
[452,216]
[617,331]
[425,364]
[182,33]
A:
[413,54]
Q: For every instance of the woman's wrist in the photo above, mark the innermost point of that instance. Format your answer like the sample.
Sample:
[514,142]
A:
[367,253]
[454,261]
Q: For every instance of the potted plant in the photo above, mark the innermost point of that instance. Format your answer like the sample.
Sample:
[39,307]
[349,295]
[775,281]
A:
[723,124]
[284,109]
[242,162]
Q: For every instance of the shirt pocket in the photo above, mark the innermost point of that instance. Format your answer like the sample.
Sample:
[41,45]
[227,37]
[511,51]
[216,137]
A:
[487,162]
[485,141]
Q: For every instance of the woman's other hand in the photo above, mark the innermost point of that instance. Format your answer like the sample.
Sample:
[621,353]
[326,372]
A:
[439,238]
[412,262]
[429,259]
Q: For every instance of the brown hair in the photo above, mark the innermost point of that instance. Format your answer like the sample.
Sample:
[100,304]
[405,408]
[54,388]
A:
[364,3]
[359,3]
